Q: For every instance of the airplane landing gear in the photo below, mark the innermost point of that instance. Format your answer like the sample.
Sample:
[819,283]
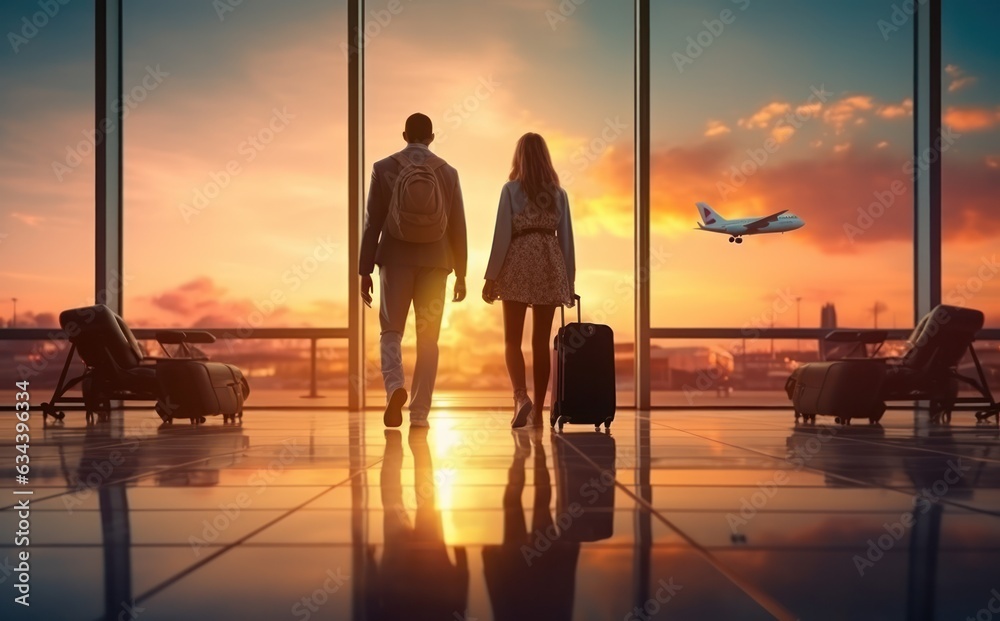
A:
[732,239]
[739,240]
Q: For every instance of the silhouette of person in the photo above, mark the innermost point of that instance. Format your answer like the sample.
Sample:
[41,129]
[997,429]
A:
[415,232]
[531,575]
[532,263]
[416,579]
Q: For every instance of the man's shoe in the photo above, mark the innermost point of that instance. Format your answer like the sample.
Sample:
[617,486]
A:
[522,408]
[418,420]
[393,416]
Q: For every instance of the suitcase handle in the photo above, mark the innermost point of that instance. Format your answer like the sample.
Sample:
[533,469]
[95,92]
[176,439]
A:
[579,311]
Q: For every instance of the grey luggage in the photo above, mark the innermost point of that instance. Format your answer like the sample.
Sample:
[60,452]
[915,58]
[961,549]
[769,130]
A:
[844,389]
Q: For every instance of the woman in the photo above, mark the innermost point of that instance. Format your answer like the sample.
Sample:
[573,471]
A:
[531,264]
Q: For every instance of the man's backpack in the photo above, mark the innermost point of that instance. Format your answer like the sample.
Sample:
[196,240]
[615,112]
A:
[418,211]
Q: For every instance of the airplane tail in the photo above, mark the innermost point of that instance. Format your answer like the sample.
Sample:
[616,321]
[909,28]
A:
[709,216]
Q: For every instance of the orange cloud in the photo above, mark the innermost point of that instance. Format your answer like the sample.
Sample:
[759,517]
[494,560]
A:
[782,133]
[958,78]
[842,112]
[894,111]
[971,119]
[29,219]
[716,128]
[764,116]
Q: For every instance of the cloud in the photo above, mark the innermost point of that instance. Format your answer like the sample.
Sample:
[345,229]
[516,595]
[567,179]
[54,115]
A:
[841,148]
[716,128]
[971,119]
[809,110]
[28,219]
[764,116]
[781,133]
[958,78]
[883,144]
[844,111]
[896,111]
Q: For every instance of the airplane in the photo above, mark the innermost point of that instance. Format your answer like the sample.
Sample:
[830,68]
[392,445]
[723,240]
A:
[779,222]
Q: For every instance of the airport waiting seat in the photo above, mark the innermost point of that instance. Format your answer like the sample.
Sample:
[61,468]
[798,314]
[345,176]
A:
[927,368]
[117,368]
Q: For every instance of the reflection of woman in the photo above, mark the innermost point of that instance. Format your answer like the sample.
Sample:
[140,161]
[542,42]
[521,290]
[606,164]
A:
[526,580]
[416,579]
[532,264]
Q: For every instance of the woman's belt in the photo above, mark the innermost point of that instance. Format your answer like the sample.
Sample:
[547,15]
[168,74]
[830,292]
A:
[538,230]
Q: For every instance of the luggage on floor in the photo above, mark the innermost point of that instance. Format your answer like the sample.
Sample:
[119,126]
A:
[583,389]
[195,389]
[845,389]
[584,494]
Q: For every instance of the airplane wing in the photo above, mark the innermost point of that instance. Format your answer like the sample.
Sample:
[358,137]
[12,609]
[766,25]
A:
[759,224]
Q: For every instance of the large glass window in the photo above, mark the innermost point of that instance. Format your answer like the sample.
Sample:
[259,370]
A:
[46,161]
[970,168]
[797,109]
[235,163]
[564,71]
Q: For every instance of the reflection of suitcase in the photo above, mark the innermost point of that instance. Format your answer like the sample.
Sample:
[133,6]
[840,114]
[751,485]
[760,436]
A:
[584,380]
[845,389]
[195,389]
[585,495]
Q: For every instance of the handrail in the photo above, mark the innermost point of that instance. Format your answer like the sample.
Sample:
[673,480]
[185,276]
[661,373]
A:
[143,334]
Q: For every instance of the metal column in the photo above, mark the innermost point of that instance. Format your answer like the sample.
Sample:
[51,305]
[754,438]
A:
[108,181]
[355,200]
[927,153]
[642,205]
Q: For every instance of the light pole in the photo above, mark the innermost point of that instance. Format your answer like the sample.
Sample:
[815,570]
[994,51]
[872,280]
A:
[13,319]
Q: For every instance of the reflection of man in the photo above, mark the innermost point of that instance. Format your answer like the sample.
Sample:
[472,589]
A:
[416,579]
[415,232]
[527,580]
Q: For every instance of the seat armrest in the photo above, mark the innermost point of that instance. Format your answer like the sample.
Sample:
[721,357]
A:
[157,359]
[868,337]
[177,337]
[170,337]
[199,337]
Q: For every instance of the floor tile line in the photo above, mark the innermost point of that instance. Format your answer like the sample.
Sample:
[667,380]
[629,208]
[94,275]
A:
[211,557]
[860,482]
[762,598]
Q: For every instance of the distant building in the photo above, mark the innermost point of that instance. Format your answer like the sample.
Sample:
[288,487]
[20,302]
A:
[828,320]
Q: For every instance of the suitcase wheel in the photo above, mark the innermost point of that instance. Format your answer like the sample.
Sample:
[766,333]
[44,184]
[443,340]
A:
[561,421]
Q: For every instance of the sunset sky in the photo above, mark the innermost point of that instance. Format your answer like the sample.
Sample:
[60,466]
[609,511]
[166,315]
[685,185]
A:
[262,91]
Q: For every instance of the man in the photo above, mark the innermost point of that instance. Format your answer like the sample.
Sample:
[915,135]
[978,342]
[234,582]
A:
[415,232]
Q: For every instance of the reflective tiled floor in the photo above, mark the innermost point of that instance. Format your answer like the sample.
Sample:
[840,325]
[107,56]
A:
[681,515]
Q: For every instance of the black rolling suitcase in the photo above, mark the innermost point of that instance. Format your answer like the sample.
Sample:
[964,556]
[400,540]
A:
[845,389]
[584,379]
[582,492]
[195,389]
